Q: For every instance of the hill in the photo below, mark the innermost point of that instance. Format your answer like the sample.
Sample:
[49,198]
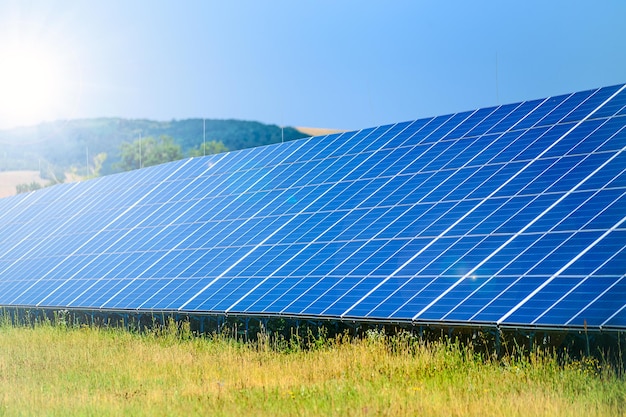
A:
[55,148]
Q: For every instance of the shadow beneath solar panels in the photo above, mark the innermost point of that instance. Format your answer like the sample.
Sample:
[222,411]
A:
[287,333]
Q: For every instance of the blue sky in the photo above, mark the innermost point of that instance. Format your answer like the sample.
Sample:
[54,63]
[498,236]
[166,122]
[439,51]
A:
[334,64]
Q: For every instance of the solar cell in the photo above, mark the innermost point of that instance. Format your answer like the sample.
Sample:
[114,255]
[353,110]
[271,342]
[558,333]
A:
[511,216]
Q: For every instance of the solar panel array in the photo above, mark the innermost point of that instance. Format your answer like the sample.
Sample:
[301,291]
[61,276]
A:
[512,215]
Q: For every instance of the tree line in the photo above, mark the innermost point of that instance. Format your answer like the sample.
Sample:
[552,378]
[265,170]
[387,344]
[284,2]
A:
[68,145]
[141,153]
[149,151]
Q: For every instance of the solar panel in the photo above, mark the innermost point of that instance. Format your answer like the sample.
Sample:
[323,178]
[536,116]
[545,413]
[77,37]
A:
[511,216]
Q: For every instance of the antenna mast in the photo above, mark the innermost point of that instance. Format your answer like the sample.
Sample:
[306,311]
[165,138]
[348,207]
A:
[497,92]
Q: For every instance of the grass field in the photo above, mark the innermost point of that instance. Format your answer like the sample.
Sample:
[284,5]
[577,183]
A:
[10,179]
[88,371]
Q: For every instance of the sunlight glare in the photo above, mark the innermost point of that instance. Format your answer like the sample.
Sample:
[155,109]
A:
[32,82]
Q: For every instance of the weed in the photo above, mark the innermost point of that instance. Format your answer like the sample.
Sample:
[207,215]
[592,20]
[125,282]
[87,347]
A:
[60,368]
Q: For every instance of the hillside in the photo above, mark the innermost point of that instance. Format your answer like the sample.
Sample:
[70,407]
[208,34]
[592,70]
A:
[59,147]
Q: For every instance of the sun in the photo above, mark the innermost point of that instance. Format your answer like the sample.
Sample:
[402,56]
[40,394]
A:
[32,83]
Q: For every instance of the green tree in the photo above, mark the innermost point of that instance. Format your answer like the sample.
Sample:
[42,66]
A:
[95,167]
[26,188]
[148,151]
[208,148]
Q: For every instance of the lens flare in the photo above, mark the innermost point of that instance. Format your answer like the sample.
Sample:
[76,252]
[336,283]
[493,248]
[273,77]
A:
[33,84]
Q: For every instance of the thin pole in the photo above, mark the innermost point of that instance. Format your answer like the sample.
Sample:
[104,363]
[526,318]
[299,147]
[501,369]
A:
[140,148]
[204,136]
[497,92]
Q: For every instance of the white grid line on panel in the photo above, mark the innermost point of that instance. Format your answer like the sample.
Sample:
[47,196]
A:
[35,232]
[148,193]
[422,250]
[573,210]
[338,282]
[562,103]
[208,231]
[163,228]
[159,289]
[536,196]
[291,276]
[148,287]
[493,299]
[560,271]
[251,307]
[365,242]
[42,241]
[277,251]
[521,253]
[342,217]
[592,302]
[458,305]
[459,237]
[509,263]
[26,199]
[313,202]
[296,282]
[223,209]
[116,239]
[571,290]
[616,313]
[204,222]
[473,270]
[244,207]
[469,232]
[330,288]
[233,265]
[319,235]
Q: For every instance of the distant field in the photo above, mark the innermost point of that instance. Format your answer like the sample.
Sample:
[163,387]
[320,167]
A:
[9,179]
[67,371]
[316,131]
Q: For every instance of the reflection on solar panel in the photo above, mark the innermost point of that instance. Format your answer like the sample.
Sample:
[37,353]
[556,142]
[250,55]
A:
[512,215]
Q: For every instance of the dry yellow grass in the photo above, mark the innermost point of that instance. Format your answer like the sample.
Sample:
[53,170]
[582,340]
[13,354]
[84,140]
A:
[9,179]
[317,131]
[50,370]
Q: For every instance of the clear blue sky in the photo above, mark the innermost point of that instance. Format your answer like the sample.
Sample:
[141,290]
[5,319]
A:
[322,63]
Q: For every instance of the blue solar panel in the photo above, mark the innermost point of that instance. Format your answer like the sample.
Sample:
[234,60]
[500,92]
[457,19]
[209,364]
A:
[512,216]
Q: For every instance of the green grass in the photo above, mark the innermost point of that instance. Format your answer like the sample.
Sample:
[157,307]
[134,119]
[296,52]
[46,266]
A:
[62,370]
